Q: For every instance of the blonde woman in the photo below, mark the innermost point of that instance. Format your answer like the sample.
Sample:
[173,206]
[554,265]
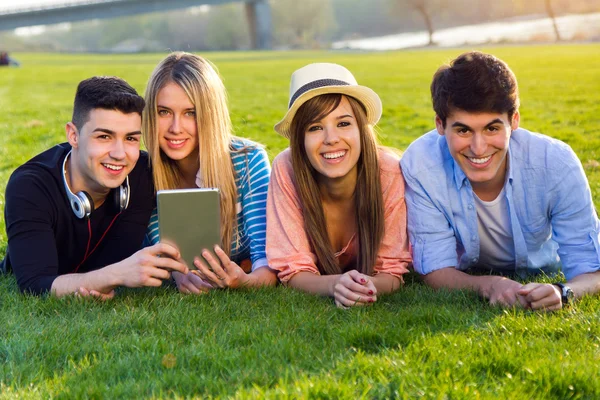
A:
[187,130]
[336,213]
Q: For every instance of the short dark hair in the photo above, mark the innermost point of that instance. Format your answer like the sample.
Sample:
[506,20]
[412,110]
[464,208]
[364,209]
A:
[105,92]
[474,82]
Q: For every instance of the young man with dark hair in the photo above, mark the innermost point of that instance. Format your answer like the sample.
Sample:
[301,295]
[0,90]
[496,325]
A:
[76,214]
[487,200]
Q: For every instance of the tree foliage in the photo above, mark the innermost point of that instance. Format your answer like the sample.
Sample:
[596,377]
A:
[304,23]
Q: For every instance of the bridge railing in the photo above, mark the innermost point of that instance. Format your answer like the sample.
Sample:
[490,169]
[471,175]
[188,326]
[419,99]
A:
[66,4]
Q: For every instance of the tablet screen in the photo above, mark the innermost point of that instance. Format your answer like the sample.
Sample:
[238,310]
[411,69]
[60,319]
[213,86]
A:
[189,219]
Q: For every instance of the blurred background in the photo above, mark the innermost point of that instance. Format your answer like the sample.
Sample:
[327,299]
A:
[131,26]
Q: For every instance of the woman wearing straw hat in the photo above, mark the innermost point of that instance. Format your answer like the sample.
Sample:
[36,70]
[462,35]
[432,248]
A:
[187,130]
[336,216]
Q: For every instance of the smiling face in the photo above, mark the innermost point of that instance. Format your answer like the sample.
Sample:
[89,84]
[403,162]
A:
[332,144]
[478,142]
[177,126]
[105,151]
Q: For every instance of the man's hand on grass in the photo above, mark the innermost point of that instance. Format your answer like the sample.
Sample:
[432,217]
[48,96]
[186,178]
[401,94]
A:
[541,296]
[148,266]
[505,292]
[83,292]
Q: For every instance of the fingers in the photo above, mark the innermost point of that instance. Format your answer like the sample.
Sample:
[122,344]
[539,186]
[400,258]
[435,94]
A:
[357,277]
[185,286]
[504,292]
[507,298]
[215,265]
[166,256]
[353,301]
[191,284]
[207,274]
[358,283]
[372,289]
[170,264]
[165,249]
[340,305]
[159,273]
[83,292]
[544,297]
[188,288]
[349,298]
[537,296]
[223,258]
[102,296]
[523,301]
[179,279]
[526,289]
[198,283]
[153,282]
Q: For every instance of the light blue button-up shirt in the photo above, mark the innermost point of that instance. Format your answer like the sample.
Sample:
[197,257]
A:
[552,216]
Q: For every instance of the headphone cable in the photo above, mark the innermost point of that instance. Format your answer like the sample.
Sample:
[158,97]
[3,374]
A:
[90,239]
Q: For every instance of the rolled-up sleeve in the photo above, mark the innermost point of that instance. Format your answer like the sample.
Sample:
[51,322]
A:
[574,221]
[254,199]
[432,237]
[288,248]
[394,256]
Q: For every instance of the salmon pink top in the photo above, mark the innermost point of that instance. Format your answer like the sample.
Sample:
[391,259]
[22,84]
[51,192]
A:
[288,247]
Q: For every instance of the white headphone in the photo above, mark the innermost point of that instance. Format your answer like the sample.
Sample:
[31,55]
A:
[82,203]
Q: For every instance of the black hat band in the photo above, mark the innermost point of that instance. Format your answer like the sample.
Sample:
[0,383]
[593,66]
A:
[315,85]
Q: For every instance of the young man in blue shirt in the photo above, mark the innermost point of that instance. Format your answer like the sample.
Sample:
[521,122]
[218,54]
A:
[487,199]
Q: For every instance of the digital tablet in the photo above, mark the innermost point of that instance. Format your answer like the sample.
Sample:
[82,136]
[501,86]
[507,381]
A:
[190,220]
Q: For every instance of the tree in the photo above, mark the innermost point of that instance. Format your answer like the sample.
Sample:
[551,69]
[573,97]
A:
[227,28]
[550,12]
[304,23]
[425,8]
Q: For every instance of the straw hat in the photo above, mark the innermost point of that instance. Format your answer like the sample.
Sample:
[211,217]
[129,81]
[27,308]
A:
[321,78]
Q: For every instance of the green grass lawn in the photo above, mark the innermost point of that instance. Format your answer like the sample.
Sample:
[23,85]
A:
[278,343]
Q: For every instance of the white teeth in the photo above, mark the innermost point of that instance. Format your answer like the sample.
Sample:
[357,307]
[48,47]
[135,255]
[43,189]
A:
[479,160]
[113,167]
[177,141]
[331,156]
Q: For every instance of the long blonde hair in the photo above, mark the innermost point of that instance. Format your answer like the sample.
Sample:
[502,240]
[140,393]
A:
[205,89]
[368,197]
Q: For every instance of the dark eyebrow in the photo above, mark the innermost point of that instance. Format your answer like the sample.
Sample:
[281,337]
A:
[345,116]
[109,132]
[461,125]
[496,121]
[104,130]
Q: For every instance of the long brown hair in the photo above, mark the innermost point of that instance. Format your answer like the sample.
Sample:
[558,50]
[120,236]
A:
[367,194]
[202,84]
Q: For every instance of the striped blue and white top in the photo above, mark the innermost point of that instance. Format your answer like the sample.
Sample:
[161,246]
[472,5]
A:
[252,174]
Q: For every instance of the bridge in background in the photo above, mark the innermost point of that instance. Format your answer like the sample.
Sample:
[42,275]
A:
[258,13]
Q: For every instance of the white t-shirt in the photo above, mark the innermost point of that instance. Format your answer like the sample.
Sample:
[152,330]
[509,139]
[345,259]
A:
[496,244]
